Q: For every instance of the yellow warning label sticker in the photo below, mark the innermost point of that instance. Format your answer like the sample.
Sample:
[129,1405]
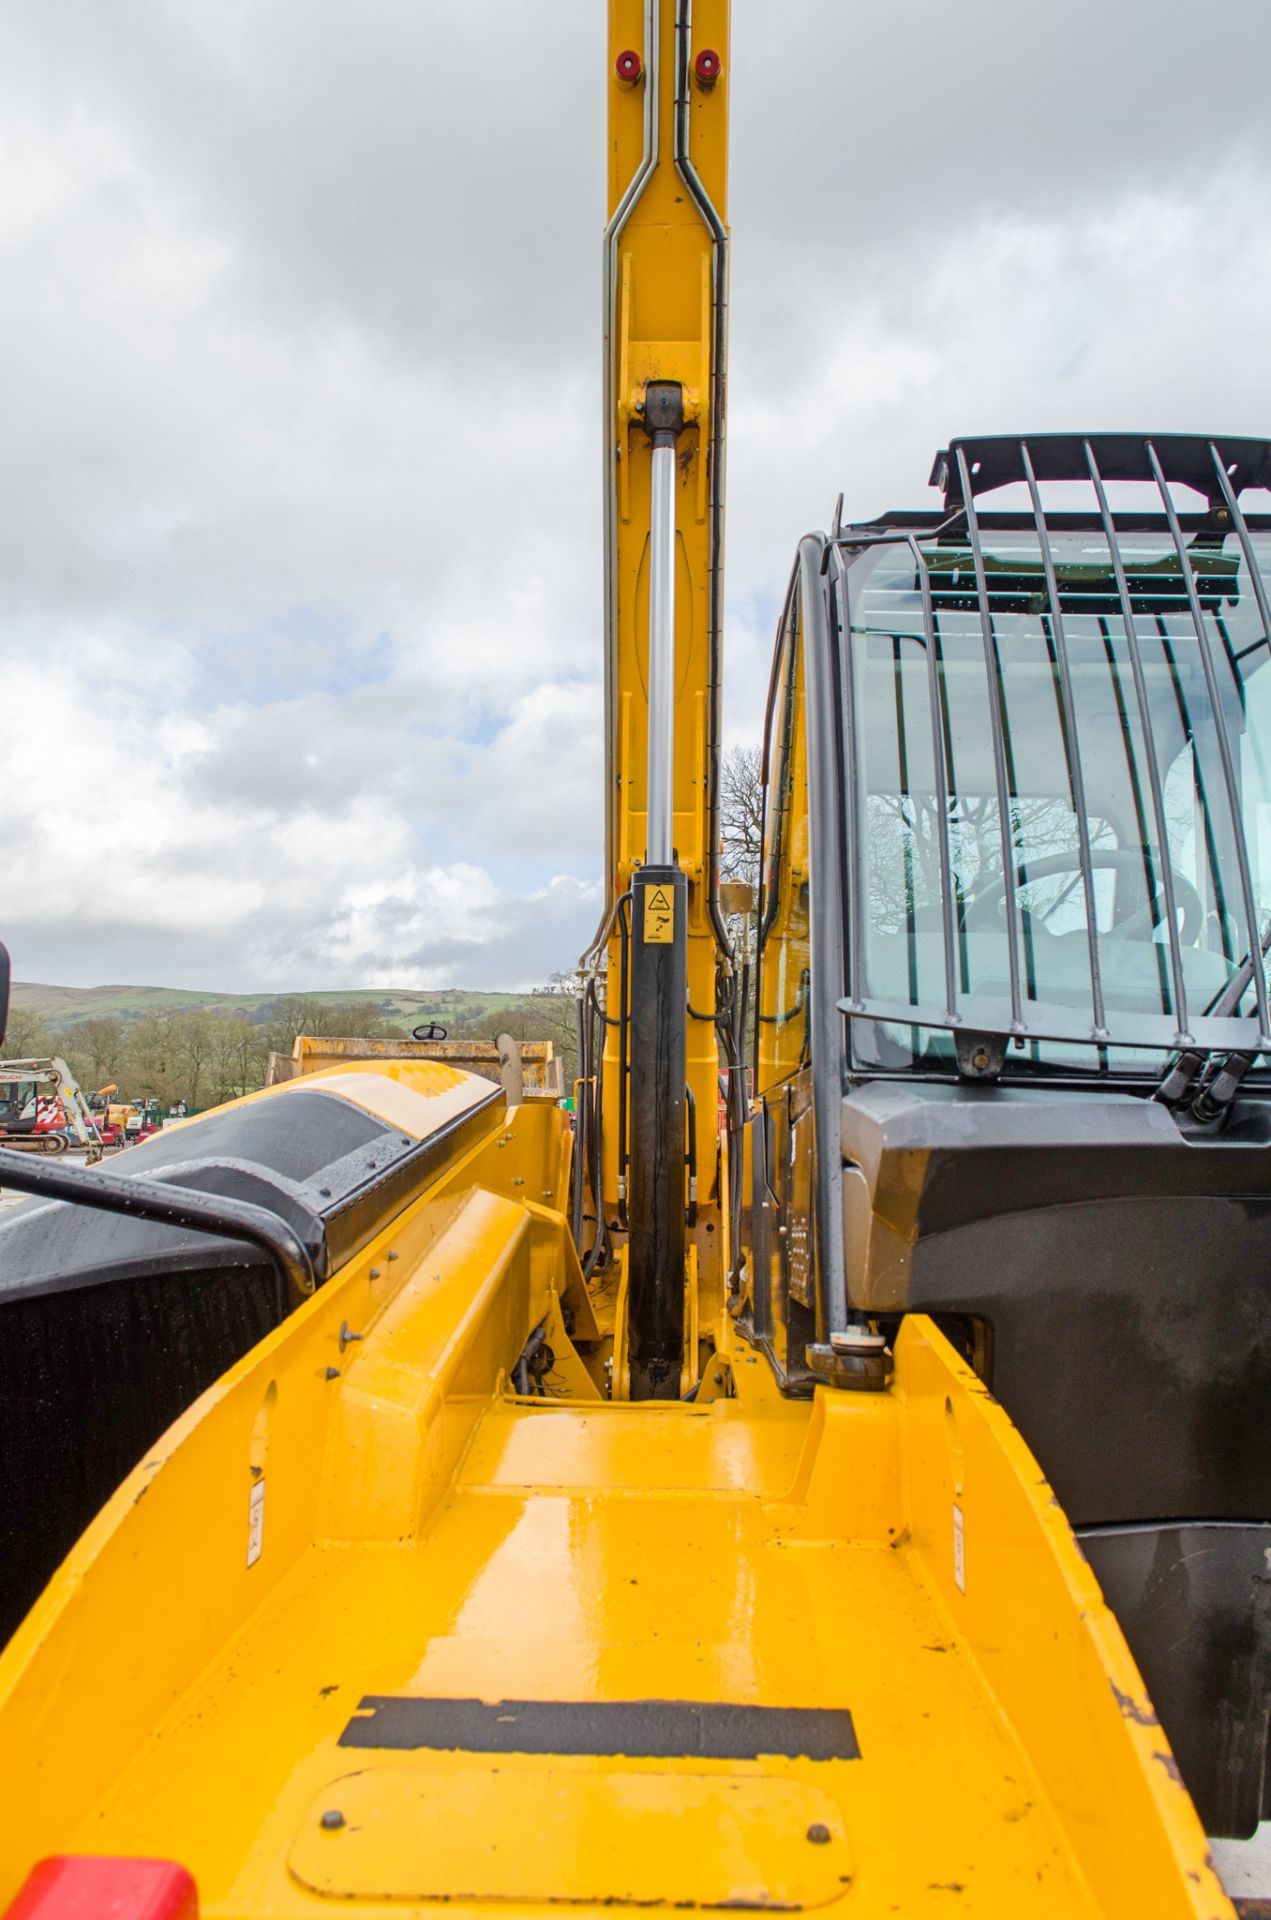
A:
[659,917]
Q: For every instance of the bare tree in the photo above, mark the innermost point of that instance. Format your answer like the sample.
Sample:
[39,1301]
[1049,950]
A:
[741,814]
[558,1001]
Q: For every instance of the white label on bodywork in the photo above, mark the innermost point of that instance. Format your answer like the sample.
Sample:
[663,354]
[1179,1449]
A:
[959,1549]
[255,1523]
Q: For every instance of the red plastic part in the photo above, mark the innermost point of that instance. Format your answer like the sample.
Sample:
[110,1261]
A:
[628,67]
[87,1886]
[707,67]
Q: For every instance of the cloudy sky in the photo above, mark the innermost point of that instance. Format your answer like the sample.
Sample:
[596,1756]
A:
[299,416]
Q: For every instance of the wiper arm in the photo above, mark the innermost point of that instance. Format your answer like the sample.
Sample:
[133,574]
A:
[1182,1076]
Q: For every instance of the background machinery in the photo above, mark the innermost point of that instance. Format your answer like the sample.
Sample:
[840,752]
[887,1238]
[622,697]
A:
[42,1109]
[406,1504]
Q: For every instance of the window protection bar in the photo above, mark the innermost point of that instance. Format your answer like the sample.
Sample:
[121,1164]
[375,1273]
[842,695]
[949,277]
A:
[1070,741]
[907,809]
[1200,774]
[1224,746]
[1182,1037]
[851,789]
[1232,502]
[1219,468]
[940,774]
[993,668]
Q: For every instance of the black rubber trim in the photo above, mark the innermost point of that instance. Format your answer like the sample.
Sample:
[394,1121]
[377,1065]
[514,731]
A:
[369,1203]
[169,1205]
[332,1213]
[640,1729]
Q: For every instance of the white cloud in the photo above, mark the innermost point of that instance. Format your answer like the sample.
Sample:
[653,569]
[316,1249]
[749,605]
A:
[299,374]
[441,926]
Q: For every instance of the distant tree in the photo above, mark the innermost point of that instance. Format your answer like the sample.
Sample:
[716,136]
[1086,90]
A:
[28,1036]
[289,1015]
[520,1018]
[150,1064]
[545,1014]
[239,1056]
[95,1049]
[454,1015]
[296,1013]
[355,1019]
[193,1035]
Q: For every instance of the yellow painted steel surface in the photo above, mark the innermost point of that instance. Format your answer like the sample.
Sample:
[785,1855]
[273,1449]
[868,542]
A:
[424,1535]
[662,325]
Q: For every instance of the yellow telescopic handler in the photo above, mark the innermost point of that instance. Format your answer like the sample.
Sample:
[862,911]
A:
[837,1477]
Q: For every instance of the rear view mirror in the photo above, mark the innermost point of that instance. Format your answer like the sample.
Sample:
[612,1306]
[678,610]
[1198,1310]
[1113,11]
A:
[4,991]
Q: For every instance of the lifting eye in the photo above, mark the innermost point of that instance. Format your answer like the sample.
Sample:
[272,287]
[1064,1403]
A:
[629,67]
[706,68]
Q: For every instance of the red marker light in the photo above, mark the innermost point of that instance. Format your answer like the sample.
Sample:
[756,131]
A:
[98,1887]
[629,67]
[706,67]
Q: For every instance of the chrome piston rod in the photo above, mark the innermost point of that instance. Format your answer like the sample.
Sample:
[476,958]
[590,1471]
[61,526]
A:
[663,420]
[661,656]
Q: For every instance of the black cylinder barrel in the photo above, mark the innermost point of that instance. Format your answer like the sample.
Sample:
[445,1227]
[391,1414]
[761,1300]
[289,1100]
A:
[659,998]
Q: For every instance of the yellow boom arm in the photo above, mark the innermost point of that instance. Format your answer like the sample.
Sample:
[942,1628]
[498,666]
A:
[666,270]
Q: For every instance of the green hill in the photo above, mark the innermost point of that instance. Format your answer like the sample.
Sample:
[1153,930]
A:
[175,1044]
[65,1006]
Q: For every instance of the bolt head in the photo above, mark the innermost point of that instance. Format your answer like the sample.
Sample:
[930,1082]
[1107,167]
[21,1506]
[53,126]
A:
[332,1819]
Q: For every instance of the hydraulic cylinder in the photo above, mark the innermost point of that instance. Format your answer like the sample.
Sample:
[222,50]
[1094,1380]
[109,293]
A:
[655,1284]
[659,971]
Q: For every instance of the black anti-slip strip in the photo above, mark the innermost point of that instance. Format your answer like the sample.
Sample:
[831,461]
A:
[643,1729]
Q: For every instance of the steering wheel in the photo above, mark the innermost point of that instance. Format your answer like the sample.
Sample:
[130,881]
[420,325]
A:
[1119,859]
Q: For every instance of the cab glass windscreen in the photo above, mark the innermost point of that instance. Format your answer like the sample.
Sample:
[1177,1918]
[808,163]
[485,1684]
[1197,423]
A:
[1041,863]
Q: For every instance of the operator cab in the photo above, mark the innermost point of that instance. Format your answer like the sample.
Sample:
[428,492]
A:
[1013,1044]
